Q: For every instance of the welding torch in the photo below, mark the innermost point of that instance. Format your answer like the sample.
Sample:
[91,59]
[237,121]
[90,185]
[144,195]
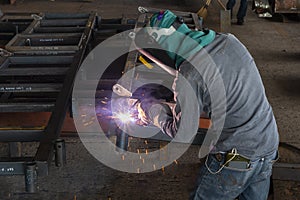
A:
[204,121]
[140,118]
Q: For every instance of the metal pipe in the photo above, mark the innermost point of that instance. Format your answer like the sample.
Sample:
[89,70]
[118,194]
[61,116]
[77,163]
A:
[122,141]
[158,62]
[60,152]
[31,177]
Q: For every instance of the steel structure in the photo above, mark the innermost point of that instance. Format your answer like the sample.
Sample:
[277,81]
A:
[12,24]
[38,77]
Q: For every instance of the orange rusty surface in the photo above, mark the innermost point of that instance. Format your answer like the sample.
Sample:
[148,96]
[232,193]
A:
[32,120]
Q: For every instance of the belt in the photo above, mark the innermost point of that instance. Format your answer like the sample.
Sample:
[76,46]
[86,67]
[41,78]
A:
[224,155]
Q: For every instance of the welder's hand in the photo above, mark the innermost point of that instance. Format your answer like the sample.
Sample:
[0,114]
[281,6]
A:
[142,117]
[143,110]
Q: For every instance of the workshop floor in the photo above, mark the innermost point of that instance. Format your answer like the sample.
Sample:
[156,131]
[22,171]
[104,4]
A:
[275,48]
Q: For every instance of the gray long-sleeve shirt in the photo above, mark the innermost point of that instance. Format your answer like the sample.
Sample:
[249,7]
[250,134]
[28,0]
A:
[249,123]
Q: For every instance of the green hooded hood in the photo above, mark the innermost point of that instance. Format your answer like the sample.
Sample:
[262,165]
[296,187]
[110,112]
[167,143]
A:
[181,43]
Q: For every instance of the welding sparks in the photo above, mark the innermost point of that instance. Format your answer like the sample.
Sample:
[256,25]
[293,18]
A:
[88,123]
[124,117]
[154,167]
[103,102]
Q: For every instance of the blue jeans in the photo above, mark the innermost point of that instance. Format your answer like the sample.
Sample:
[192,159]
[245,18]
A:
[242,9]
[230,183]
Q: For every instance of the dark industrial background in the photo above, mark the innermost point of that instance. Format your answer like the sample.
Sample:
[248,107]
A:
[274,44]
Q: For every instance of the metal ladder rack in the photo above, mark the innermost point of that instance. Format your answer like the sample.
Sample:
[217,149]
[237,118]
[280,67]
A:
[39,77]
[12,24]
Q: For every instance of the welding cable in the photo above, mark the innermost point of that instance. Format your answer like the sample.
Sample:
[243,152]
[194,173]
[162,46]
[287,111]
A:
[234,151]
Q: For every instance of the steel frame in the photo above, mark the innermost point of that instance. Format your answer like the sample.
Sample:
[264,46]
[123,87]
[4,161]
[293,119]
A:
[13,23]
[51,34]
[40,79]
[40,83]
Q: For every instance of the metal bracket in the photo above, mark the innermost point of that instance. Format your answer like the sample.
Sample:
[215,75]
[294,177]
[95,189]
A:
[121,91]
[5,53]
[36,17]
[142,9]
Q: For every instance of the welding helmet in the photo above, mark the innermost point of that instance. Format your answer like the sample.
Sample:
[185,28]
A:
[171,39]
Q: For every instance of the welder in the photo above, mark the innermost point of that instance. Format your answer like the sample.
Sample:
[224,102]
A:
[239,163]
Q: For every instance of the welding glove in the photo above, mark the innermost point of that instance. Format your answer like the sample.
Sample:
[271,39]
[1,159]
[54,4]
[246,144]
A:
[152,111]
[143,108]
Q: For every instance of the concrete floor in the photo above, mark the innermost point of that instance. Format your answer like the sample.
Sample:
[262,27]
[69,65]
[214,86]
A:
[275,48]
